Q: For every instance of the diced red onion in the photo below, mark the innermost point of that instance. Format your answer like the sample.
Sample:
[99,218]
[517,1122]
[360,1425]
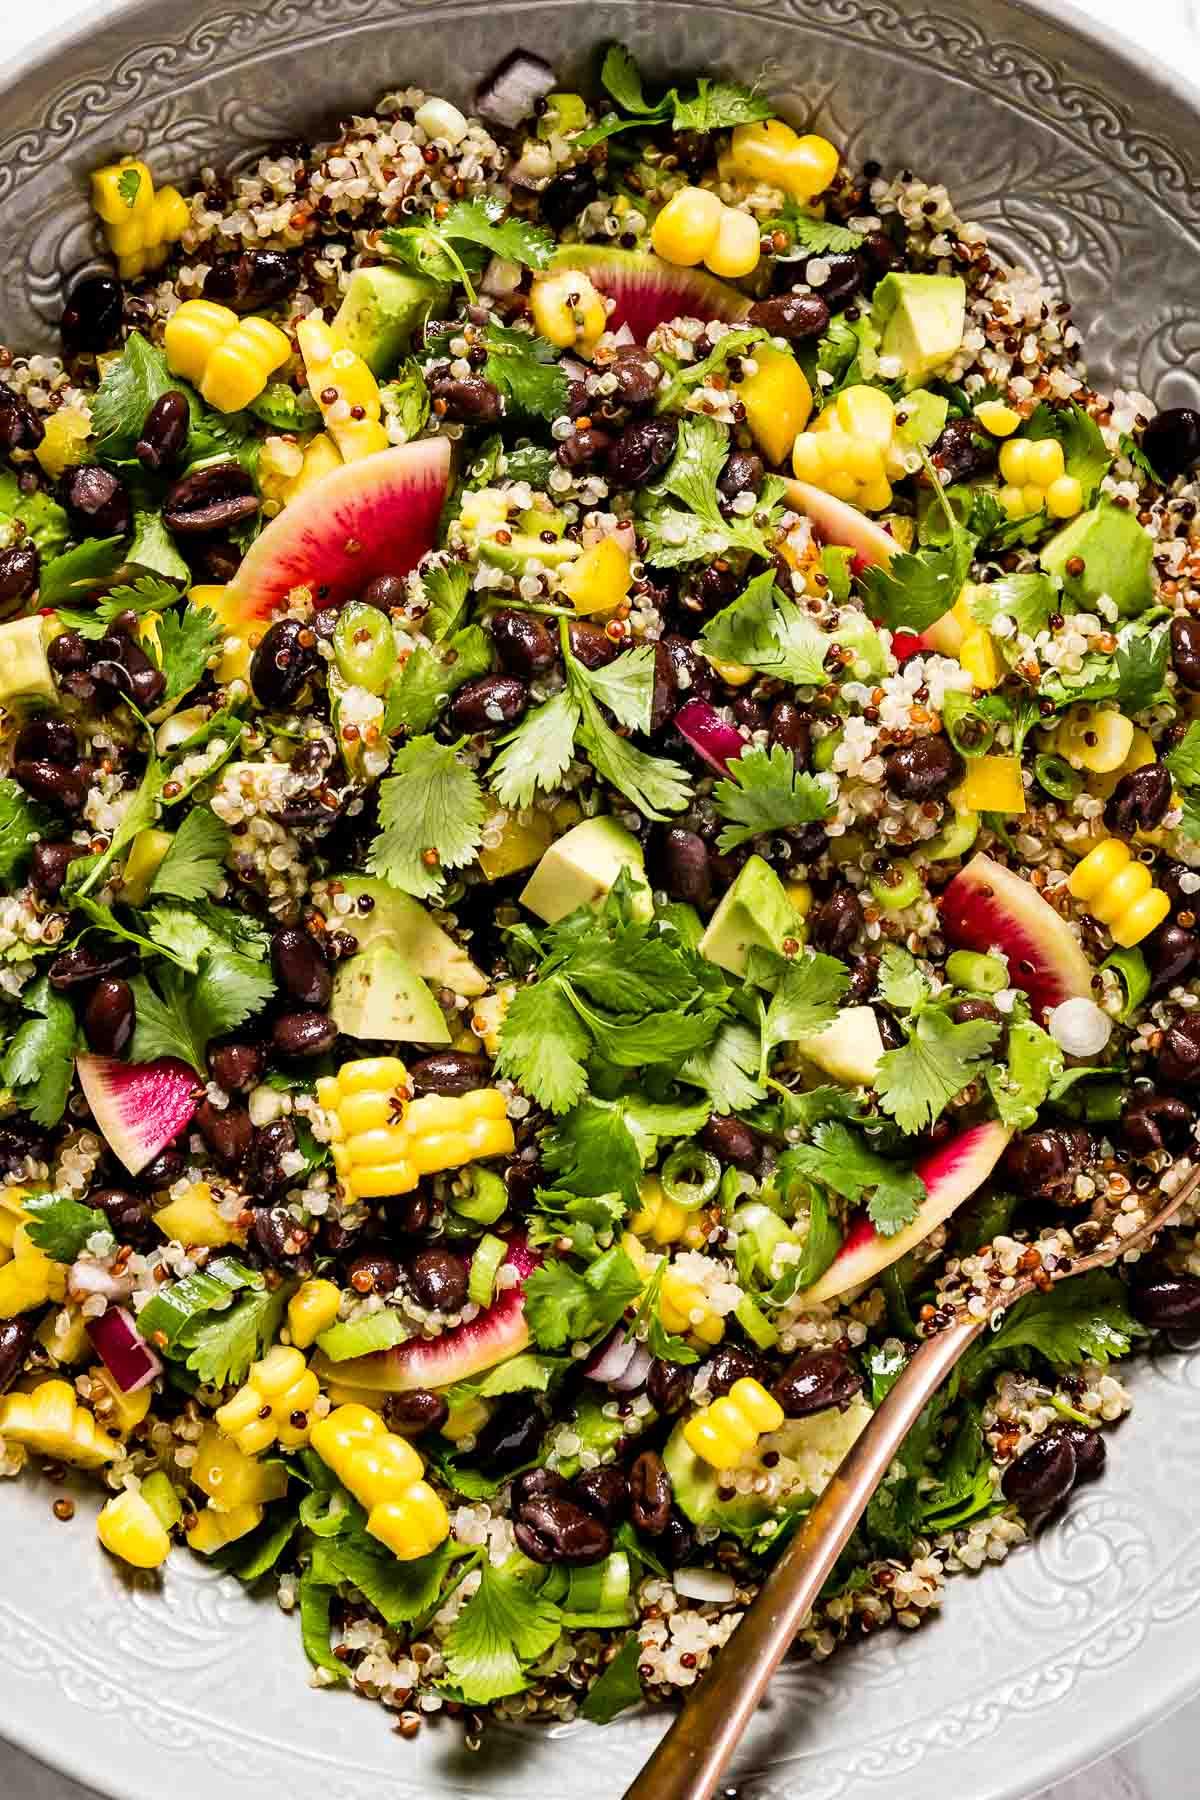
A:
[635,1372]
[702,727]
[708,1586]
[511,91]
[609,1361]
[92,1278]
[123,1350]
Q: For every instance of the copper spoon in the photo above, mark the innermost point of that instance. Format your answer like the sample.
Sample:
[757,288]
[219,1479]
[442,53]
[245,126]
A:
[689,1761]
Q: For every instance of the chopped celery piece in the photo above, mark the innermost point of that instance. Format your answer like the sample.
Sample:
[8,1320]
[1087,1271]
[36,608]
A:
[360,1337]
[600,1588]
[206,1290]
[485,1200]
[757,1327]
[1135,979]
[162,1499]
[490,1252]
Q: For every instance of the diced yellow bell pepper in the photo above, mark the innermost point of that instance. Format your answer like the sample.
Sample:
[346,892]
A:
[142,864]
[51,1422]
[71,1345]
[723,1432]
[30,1279]
[768,150]
[274,1404]
[65,442]
[777,399]
[230,1478]
[130,1529]
[230,359]
[568,310]
[192,1218]
[312,1309]
[344,388]
[12,1214]
[991,784]
[213,1529]
[978,657]
[140,224]
[600,579]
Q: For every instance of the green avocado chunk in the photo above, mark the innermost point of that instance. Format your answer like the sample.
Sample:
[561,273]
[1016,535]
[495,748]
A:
[377,995]
[401,921]
[382,309]
[580,868]
[920,320]
[523,548]
[1116,556]
[756,910]
[804,1452]
[24,670]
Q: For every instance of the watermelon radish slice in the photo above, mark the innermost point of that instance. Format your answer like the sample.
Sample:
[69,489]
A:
[495,1334]
[951,1174]
[649,291]
[139,1107]
[375,516]
[987,907]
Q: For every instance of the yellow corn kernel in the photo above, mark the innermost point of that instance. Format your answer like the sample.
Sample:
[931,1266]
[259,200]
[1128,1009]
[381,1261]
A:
[801,896]
[63,445]
[411,1525]
[733,674]
[662,1220]
[722,1433]
[229,1477]
[770,151]
[1093,738]
[992,784]
[1119,891]
[1064,497]
[1098,868]
[344,388]
[383,1141]
[687,226]
[777,399]
[845,449]
[1014,461]
[1045,462]
[129,1528]
[1141,752]
[1141,918]
[30,1278]
[568,310]
[1035,477]
[737,246]
[600,579]
[214,1529]
[682,1306]
[51,1422]
[273,1405]
[139,223]
[114,1408]
[312,1309]
[997,418]
[1012,499]
[861,412]
[193,1218]
[978,657]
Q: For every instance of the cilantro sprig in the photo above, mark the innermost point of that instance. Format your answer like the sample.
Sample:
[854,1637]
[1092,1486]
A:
[431,814]
[697,530]
[38,1063]
[764,791]
[768,632]
[447,248]
[840,1159]
[716,105]
[938,1059]
[180,1015]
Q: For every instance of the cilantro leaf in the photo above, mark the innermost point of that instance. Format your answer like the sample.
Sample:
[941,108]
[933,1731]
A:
[186,640]
[695,374]
[1026,599]
[428,677]
[728,1069]
[80,571]
[192,866]
[657,1038]
[399,1591]
[149,593]
[129,182]
[918,1081]
[718,105]
[820,237]
[916,588]
[504,1625]
[1084,451]
[805,998]
[626,686]
[222,1345]
[1034,1063]
[537,754]
[655,785]
[152,547]
[1141,669]
[768,632]
[903,985]
[526,370]
[22,825]
[840,1159]
[482,222]
[563,1305]
[544,1045]
[702,530]
[592,1151]
[406,399]
[621,77]
[446,586]
[431,803]
[634,968]
[619,1686]
[1184,760]
[38,1063]
[1143,467]
[764,791]
[127,391]
[1086,1319]
[61,1226]
[186,1011]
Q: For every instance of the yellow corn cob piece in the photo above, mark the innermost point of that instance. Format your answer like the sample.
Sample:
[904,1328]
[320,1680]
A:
[51,1422]
[695,226]
[213,1529]
[735,250]
[1093,738]
[384,1473]
[114,1408]
[991,784]
[770,151]
[568,310]
[140,224]
[1120,892]
[412,1525]
[777,399]
[129,1528]
[600,579]
[30,1278]
[274,1404]
[845,451]
[682,1306]
[312,1309]
[383,1141]
[228,358]
[344,388]
[229,1477]
[723,1432]
[1034,473]
[662,1220]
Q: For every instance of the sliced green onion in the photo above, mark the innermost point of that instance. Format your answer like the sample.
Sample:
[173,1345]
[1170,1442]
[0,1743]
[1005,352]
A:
[364,646]
[971,969]
[602,1587]
[1056,776]
[755,1323]
[898,886]
[690,1176]
[823,749]
[1135,979]
[954,839]
[162,1499]
[490,1252]
[485,1200]
[971,731]
[362,1337]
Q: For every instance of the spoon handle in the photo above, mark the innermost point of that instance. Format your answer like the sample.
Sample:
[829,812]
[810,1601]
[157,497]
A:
[688,1763]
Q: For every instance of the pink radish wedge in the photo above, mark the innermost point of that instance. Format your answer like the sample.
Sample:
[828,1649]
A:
[987,907]
[495,1334]
[951,1174]
[837,522]
[139,1107]
[647,291]
[375,516]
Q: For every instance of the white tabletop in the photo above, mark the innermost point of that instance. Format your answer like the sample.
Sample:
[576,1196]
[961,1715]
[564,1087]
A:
[1153,1767]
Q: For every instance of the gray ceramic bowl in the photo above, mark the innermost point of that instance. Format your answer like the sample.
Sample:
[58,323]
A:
[1077,158]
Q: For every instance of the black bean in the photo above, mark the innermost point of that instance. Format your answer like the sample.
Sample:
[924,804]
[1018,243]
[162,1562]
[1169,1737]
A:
[277,1234]
[879,254]
[489,703]
[472,401]
[1173,954]
[743,474]
[251,280]
[685,871]
[637,376]
[67,652]
[227,1132]
[668,1385]
[304,1034]
[923,769]
[1139,800]
[524,643]
[108,1018]
[1171,441]
[47,740]
[727,1364]
[91,320]
[677,1544]
[788,726]
[263,1173]
[842,271]
[539,1484]
[604,1493]
[715,586]
[585,449]
[1091,1452]
[662,696]
[1042,1478]
[20,1139]
[20,568]
[748,711]
[816,1381]
[650,1493]
[961,450]
[79,967]
[283,662]
[213,499]
[417,1411]
[563,199]
[165,433]
[162,1170]
[641,452]
[408,1214]
[890,1033]
[1156,1122]
[791,316]
[452,1072]
[99,501]
[834,925]
[1043,1163]
[521,1182]
[963,1011]
[590,643]
[692,150]
[300,966]
[236,1067]
[1179,1051]
[16,1341]
[438,1279]
[385,592]
[1165,1301]
[1185,650]
[694,678]
[51,860]
[551,1530]
[511,1436]
[373,1272]
[128,1213]
[20,427]
[731,1142]
[122,666]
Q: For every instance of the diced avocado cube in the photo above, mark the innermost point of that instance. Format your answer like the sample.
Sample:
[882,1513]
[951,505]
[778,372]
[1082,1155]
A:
[46,524]
[522,548]
[376,994]
[24,671]
[920,320]
[1116,554]
[756,910]
[854,631]
[848,1050]
[403,922]
[921,416]
[580,869]
[381,310]
[561,113]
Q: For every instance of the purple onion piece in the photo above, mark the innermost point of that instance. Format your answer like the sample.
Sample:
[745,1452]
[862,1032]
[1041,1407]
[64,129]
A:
[511,91]
[703,730]
[122,1349]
